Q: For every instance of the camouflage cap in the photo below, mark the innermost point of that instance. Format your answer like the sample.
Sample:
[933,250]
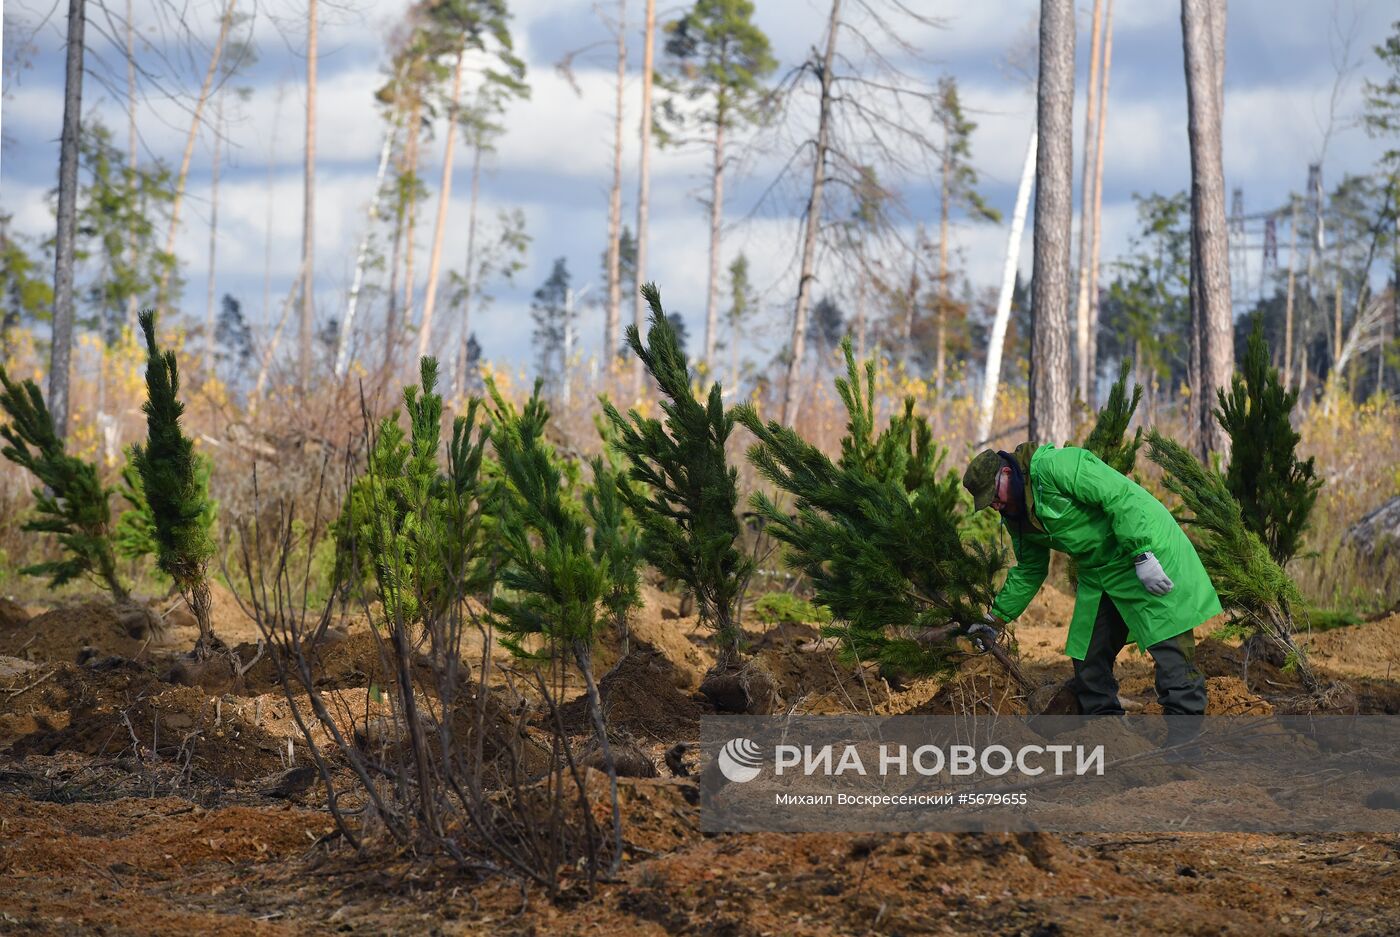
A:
[980,479]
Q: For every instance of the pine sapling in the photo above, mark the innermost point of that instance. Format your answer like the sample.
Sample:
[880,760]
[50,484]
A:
[169,473]
[1252,586]
[1107,439]
[1276,490]
[70,500]
[134,536]
[887,559]
[558,583]
[683,492]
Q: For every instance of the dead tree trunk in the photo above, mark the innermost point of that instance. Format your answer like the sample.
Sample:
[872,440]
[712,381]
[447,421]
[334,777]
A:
[992,377]
[791,388]
[612,319]
[940,332]
[1203,27]
[163,288]
[1086,204]
[1049,366]
[414,150]
[643,190]
[425,329]
[131,149]
[308,214]
[1104,71]
[65,239]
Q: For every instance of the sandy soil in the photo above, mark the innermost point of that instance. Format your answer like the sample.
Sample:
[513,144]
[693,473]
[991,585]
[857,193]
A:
[132,806]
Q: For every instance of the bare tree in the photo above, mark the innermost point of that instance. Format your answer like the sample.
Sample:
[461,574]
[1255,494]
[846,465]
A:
[308,213]
[61,348]
[209,314]
[813,216]
[163,289]
[1105,70]
[639,307]
[1203,38]
[1049,366]
[612,321]
[1086,203]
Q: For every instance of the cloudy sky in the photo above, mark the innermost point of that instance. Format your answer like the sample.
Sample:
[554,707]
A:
[553,163]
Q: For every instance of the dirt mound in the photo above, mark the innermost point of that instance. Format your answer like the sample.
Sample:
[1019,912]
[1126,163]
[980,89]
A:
[679,640]
[1370,649]
[811,677]
[979,686]
[640,696]
[131,714]
[59,634]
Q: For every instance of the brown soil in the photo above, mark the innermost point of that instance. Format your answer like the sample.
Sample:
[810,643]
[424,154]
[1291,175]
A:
[85,847]
[640,696]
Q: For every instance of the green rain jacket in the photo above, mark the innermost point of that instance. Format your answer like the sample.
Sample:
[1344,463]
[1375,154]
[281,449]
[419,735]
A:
[1103,519]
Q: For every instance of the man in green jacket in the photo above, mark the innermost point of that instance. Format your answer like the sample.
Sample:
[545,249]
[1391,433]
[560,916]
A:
[1140,579]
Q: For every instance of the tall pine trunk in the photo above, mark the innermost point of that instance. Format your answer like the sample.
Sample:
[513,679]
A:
[1105,69]
[639,306]
[613,315]
[425,329]
[991,378]
[61,348]
[163,288]
[308,214]
[1049,366]
[468,283]
[1203,29]
[791,387]
[716,222]
[1086,214]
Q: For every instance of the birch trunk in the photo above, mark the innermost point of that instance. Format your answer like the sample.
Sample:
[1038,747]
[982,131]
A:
[1105,69]
[716,221]
[308,215]
[425,329]
[61,349]
[643,189]
[1049,366]
[1203,24]
[992,377]
[342,351]
[613,315]
[791,388]
[163,288]
[1086,203]
[414,149]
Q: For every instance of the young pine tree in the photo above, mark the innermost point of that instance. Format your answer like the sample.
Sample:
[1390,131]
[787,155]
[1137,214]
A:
[684,492]
[134,536]
[70,500]
[876,532]
[415,532]
[1253,587]
[1276,491]
[169,473]
[1106,439]
[559,583]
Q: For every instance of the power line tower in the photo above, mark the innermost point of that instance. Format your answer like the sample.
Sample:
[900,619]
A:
[1239,251]
[1268,269]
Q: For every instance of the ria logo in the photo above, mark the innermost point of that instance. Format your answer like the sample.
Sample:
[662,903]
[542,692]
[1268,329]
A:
[740,760]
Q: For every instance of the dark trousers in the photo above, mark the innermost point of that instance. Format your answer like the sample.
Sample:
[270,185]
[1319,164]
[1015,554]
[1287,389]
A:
[1181,688]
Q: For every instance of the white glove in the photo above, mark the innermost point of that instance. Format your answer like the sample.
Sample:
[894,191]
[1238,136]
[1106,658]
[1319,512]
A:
[984,633]
[1154,579]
